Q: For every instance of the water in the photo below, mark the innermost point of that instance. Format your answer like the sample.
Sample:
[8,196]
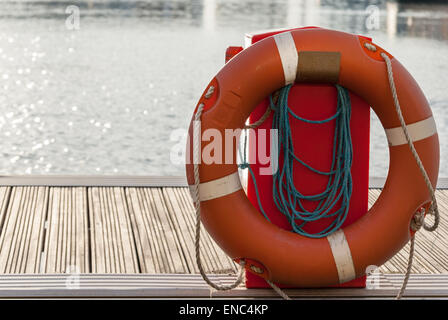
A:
[106,98]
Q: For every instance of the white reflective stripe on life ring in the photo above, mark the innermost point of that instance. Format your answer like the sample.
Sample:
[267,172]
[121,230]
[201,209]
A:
[417,131]
[288,54]
[342,256]
[219,188]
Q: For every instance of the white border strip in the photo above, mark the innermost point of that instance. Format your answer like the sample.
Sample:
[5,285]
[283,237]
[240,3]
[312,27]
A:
[418,131]
[288,54]
[342,256]
[220,187]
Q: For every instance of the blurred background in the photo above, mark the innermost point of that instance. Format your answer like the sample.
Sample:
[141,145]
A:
[108,93]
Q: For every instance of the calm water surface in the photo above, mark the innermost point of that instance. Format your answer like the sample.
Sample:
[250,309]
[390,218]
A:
[106,98]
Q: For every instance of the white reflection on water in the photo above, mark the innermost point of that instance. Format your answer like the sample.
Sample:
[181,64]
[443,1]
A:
[105,98]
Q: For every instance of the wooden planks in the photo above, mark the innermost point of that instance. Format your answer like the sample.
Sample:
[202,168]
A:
[181,211]
[112,239]
[23,230]
[66,246]
[159,246]
[124,230]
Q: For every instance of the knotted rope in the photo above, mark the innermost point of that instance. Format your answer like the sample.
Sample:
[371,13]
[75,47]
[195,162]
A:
[418,219]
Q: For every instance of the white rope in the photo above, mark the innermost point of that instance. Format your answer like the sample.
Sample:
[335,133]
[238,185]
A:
[408,269]
[369,46]
[279,291]
[258,123]
[416,223]
[434,210]
[418,219]
[266,115]
[197,205]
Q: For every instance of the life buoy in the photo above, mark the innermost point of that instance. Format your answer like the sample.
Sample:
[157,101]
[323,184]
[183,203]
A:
[322,56]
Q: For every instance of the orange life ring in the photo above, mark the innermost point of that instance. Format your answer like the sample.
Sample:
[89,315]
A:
[324,56]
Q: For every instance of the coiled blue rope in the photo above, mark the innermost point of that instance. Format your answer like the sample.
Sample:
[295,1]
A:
[338,190]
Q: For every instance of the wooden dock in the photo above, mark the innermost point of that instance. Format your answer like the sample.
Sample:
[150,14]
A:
[51,227]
